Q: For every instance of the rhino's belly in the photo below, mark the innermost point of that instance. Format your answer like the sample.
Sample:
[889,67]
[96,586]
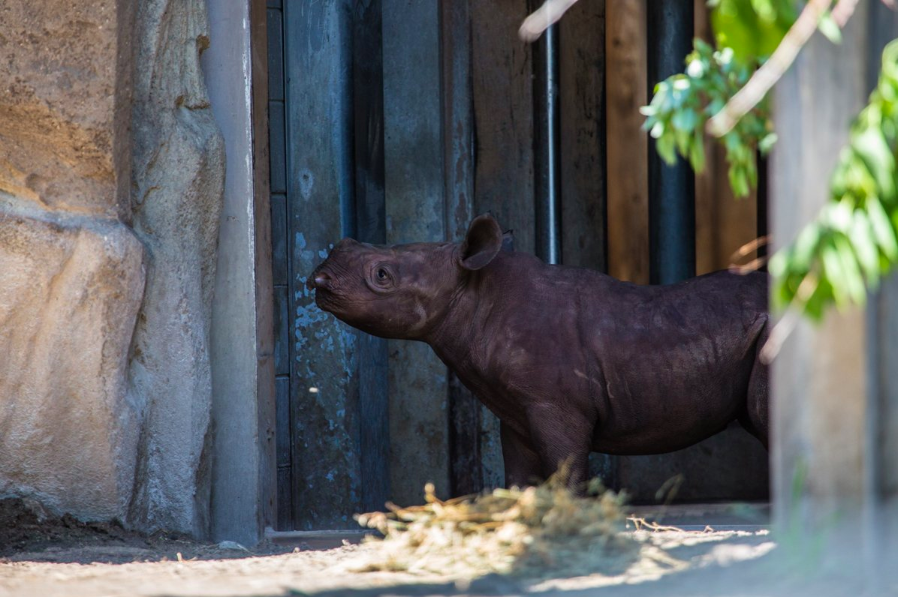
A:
[670,415]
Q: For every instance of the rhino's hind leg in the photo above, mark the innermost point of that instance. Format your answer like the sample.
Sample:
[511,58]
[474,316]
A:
[756,418]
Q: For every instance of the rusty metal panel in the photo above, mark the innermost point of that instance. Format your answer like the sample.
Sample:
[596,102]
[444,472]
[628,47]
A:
[324,390]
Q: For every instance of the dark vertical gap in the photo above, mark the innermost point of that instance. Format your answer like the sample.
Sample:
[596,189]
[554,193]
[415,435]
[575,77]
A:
[280,264]
[465,459]
[370,226]
[671,188]
[762,206]
[291,302]
[546,144]
[603,141]
[609,471]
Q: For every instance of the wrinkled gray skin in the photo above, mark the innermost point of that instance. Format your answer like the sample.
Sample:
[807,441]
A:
[570,360]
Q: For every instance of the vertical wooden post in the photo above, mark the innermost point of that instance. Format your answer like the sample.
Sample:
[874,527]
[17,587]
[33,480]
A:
[628,237]
[881,424]
[819,391]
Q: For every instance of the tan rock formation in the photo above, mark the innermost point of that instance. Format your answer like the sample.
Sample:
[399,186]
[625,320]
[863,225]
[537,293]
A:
[70,288]
[63,107]
[104,413]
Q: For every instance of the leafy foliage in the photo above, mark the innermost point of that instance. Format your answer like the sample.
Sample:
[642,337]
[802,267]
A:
[683,103]
[854,240]
[752,29]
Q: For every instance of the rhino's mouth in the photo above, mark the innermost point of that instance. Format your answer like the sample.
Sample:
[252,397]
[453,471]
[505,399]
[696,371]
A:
[325,299]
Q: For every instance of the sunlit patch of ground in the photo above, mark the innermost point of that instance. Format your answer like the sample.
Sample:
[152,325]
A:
[61,557]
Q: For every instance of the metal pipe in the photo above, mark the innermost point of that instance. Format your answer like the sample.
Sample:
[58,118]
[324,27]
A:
[547,144]
[671,188]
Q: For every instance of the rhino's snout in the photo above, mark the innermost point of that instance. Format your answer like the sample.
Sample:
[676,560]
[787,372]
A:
[319,279]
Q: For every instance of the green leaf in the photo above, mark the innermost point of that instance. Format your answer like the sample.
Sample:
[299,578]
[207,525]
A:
[835,273]
[766,143]
[882,229]
[854,281]
[685,120]
[861,235]
[829,28]
[874,151]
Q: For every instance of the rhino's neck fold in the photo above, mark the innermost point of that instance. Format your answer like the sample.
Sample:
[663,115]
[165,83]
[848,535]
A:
[453,336]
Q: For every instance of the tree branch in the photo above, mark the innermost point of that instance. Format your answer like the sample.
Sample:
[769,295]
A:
[778,63]
[543,18]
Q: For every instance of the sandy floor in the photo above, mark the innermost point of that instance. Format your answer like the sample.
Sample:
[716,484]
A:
[49,558]
[155,570]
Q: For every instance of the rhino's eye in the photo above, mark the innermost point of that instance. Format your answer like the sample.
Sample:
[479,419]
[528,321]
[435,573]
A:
[381,274]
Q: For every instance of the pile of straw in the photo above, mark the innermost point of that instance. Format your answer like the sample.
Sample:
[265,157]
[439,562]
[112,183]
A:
[528,531]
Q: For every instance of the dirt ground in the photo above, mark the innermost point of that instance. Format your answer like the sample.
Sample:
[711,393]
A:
[45,556]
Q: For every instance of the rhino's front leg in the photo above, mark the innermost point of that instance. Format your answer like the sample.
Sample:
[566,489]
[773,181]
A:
[522,463]
[561,439]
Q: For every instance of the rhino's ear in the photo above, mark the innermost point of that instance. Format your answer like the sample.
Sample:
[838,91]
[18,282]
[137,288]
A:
[482,243]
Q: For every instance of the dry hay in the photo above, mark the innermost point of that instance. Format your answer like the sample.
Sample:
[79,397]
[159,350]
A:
[530,531]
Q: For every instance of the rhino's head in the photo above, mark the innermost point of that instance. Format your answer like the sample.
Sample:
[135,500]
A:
[401,291]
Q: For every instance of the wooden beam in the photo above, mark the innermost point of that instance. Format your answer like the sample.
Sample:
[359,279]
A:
[628,235]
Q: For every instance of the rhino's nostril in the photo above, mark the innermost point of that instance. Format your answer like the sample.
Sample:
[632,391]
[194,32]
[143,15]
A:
[319,279]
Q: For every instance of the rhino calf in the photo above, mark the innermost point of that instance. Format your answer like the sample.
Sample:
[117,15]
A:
[570,360]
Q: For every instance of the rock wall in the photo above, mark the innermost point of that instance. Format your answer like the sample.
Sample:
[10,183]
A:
[71,273]
[70,288]
[178,174]
[111,176]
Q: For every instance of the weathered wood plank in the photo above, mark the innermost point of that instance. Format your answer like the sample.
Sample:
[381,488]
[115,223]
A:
[627,145]
[324,393]
[282,411]
[275,54]
[503,113]
[277,147]
[501,71]
[370,226]
[415,211]
[266,418]
[582,96]
[465,455]
[281,330]
[280,270]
